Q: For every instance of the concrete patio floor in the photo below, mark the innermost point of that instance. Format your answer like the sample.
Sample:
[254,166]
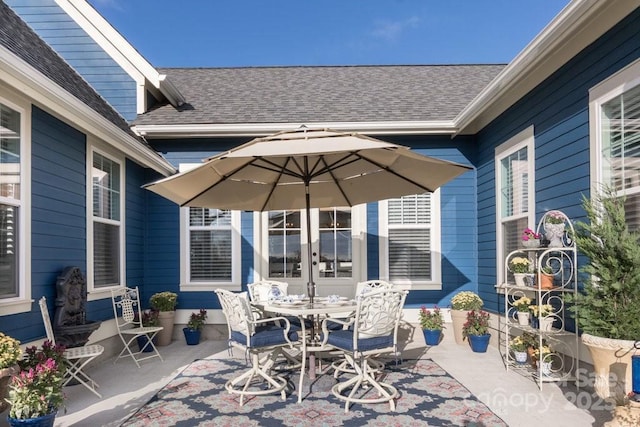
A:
[517,400]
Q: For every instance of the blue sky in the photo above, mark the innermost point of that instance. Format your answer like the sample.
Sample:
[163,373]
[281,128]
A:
[238,33]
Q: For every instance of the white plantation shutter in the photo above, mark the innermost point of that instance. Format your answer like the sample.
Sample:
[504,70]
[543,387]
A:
[620,120]
[409,238]
[514,193]
[210,245]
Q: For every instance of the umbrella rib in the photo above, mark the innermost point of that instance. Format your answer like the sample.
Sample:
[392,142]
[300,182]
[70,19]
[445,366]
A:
[275,182]
[392,172]
[335,180]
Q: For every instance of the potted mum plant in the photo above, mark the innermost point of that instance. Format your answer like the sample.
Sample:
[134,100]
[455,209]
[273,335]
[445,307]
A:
[10,354]
[520,267]
[461,304]
[194,327]
[36,391]
[432,324]
[165,303]
[522,307]
[476,329]
[542,315]
[518,346]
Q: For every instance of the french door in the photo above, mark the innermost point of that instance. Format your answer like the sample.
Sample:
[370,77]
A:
[337,260]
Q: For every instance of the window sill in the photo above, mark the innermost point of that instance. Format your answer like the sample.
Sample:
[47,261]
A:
[15,307]
[103,293]
[209,287]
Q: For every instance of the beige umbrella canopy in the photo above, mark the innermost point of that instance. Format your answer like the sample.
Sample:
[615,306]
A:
[305,169]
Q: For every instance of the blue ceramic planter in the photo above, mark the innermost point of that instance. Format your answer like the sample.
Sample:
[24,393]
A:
[431,336]
[43,421]
[142,341]
[479,343]
[191,336]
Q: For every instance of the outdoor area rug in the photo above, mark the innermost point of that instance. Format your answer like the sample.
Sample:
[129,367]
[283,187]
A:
[429,396]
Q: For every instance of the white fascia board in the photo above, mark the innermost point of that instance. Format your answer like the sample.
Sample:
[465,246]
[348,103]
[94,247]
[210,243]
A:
[579,24]
[261,129]
[109,39]
[25,79]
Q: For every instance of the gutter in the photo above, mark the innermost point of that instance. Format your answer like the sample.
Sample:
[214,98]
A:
[446,127]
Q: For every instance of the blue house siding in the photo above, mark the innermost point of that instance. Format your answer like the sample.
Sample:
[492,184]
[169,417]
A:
[458,201]
[559,111]
[71,42]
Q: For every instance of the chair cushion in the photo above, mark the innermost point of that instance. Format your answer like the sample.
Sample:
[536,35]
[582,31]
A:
[266,336]
[343,339]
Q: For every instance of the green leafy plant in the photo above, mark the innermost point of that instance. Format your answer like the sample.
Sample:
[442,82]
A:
[37,389]
[477,323]
[609,304]
[431,319]
[164,301]
[149,317]
[466,300]
[197,320]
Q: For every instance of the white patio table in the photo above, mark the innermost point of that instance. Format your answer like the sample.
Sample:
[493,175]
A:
[310,342]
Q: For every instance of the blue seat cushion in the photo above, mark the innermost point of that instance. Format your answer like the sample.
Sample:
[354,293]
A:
[343,339]
[266,336]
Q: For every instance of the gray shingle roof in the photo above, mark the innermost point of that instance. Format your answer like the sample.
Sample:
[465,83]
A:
[321,94]
[21,40]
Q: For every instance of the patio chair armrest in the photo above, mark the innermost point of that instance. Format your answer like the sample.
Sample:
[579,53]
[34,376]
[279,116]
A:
[325,329]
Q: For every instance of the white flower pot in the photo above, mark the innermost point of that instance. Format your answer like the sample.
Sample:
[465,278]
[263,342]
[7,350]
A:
[523,318]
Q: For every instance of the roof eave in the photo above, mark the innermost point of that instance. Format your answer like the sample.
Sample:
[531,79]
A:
[57,101]
[445,127]
[579,24]
[109,39]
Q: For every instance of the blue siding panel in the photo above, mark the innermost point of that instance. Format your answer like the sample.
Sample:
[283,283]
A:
[558,110]
[89,60]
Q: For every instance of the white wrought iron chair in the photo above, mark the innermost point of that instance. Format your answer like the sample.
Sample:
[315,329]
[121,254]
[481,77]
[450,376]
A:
[128,315]
[255,337]
[266,289]
[78,357]
[372,332]
[362,288]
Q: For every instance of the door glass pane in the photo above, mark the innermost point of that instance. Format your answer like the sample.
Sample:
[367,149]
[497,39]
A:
[284,244]
[335,243]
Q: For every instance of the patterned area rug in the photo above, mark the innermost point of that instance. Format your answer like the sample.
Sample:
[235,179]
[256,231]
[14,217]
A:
[429,396]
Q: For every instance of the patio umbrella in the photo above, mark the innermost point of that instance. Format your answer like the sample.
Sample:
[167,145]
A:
[303,169]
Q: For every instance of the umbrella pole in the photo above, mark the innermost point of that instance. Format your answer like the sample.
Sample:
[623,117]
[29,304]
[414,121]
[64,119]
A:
[311,287]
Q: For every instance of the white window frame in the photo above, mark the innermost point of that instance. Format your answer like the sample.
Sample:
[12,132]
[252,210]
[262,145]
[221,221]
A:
[236,257]
[524,139]
[613,86]
[436,247]
[96,147]
[22,302]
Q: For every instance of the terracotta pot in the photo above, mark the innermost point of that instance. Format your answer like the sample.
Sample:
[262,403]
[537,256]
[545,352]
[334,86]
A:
[458,317]
[545,281]
[611,365]
[165,319]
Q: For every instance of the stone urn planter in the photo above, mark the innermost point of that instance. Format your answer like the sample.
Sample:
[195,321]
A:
[611,365]
[166,320]
[458,318]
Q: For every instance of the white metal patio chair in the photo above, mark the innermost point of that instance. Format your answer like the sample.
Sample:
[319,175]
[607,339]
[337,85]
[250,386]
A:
[255,337]
[128,315]
[78,357]
[362,288]
[373,331]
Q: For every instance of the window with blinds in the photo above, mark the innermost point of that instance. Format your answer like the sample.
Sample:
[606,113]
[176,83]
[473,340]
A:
[514,198]
[410,243]
[210,245]
[620,134]
[10,203]
[106,194]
